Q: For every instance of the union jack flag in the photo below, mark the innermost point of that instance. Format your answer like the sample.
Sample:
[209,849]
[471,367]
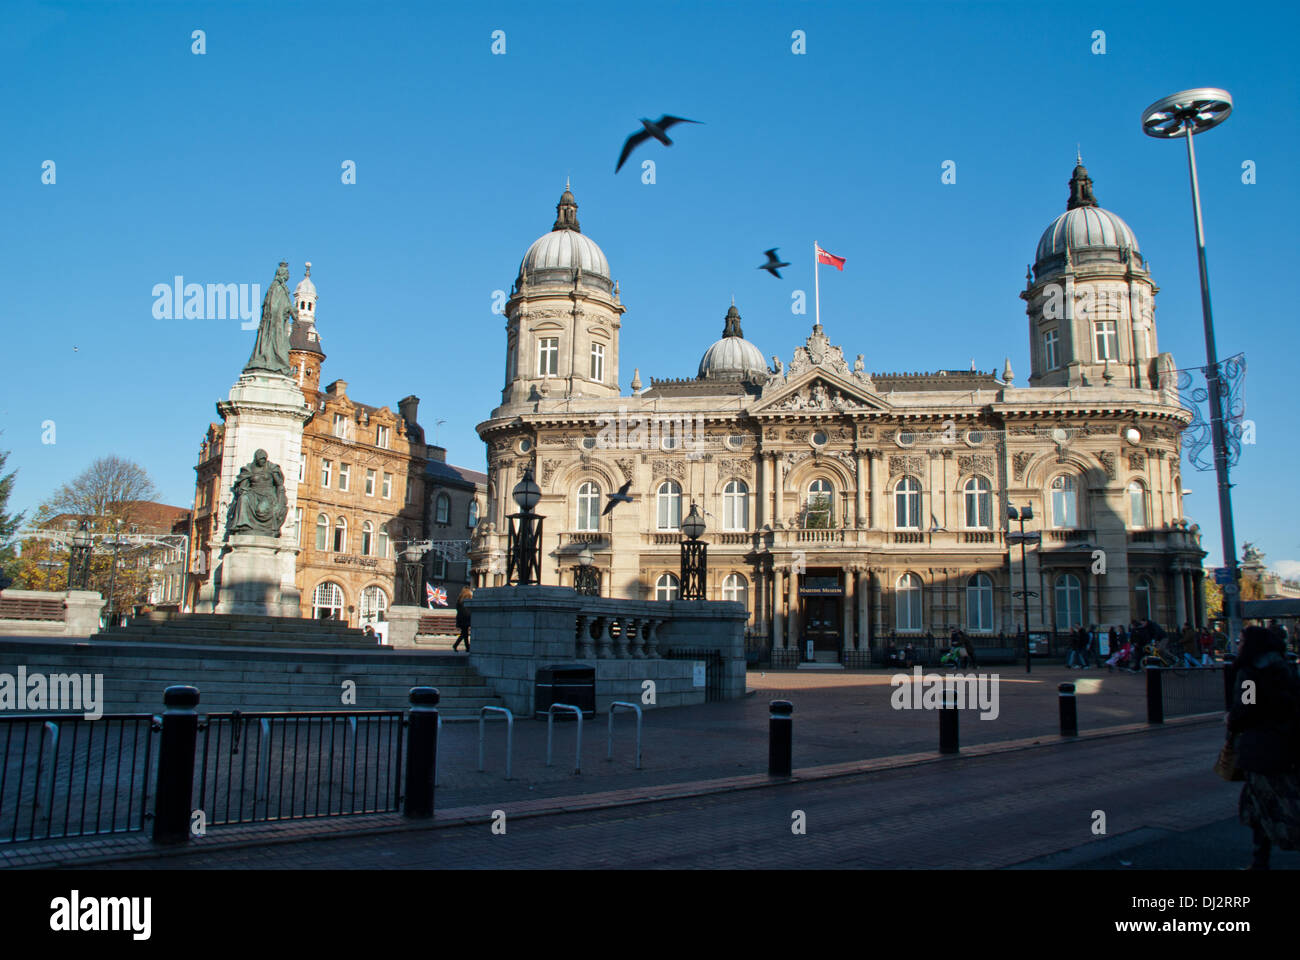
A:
[437,596]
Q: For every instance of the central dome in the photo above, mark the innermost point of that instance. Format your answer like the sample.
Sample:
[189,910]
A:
[1085,232]
[733,357]
[560,254]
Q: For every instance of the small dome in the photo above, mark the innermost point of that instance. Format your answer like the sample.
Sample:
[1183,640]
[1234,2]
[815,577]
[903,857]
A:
[565,250]
[1086,228]
[305,289]
[733,357]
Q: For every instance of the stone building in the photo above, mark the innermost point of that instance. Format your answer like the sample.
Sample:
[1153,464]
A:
[850,509]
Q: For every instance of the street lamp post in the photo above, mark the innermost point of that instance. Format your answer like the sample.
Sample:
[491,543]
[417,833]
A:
[586,578]
[524,535]
[1185,114]
[112,579]
[1024,513]
[412,574]
[694,556]
[79,559]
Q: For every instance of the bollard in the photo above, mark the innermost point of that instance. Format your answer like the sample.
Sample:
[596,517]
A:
[1155,696]
[780,739]
[421,752]
[174,791]
[948,739]
[1069,710]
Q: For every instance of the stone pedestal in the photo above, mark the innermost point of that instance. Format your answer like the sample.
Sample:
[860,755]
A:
[403,623]
[82,617]
[254,575]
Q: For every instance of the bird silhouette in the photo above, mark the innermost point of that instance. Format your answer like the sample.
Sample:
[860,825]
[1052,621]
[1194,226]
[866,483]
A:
[616,498]
[657,129]
[773,263]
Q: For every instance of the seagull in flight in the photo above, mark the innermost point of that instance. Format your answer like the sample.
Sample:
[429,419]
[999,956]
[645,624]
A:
[658,129]
[616,498]
[773,263]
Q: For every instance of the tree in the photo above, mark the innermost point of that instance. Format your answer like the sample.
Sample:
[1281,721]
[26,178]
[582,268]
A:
[110,488]
[9,523]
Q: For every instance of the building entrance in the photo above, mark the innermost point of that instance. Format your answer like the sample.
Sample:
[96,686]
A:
[821,595]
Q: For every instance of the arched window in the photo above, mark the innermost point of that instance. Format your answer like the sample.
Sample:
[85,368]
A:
[373,604]
[442,509]
[367,538]
[1065,502]
[736,587]
[735,506]
[979,602]
[819,511]
[666,587]
[1069,602]
[907,504]
[381,547]
[670,506]
[327,601]
[322,532]
[1137,504]
[588,506]
[979,503]
[473,514]
[907,596]
[1142,596]
[341,535]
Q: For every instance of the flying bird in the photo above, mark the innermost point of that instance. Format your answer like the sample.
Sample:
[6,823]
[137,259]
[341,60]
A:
[658,130]
[773,263]
[616,498]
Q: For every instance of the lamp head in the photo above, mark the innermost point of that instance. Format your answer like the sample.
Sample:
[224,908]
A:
[584,556]
[1198,109]
[693,525]
[527,493]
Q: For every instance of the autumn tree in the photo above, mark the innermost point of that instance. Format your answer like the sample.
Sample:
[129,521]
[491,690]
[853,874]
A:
[9,522]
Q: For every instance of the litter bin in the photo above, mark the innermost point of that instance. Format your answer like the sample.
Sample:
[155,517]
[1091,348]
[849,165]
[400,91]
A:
[572,683]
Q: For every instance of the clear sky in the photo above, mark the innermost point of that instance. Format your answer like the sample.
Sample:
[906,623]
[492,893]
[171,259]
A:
[217,166]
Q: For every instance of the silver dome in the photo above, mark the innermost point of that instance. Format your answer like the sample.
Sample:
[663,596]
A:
[733,357]
[1083,228]
[565,250]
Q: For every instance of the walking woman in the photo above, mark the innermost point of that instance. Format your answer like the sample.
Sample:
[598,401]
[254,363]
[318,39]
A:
[462,618]
[1265,720]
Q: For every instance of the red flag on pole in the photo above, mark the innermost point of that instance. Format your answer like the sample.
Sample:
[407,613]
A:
[829,258]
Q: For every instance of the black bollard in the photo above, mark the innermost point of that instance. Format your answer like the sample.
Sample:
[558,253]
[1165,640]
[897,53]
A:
[948,739]
[421,751]
[780,739]
[1069,710]
[174,790]
[1155,695]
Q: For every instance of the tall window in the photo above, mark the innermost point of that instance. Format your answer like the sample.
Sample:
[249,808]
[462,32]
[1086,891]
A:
[381,437]
[341,535]
[1105,338]
[588,507]
[326,467]
[1050,341]
[342,426]
[322,532]
[666,587]
[373,604]
[1069,602]
[367,538]
[1137,504]
[1065,502]
[442,509]
[548,356]
[670,505]
[473,514]
[381,546]
[819,509]
[979,602]
[327,602]
[907,504]
[345,474]
[297,525]
[979,503]
[907,595]
[598,362]
[370,482]
[735,505]
[735,587]
[1142,608]
[439,567]
[388,486]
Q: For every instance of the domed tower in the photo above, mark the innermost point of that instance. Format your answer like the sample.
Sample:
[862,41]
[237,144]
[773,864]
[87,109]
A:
[305,353]
[733,357]
[1090,299]
[563,317]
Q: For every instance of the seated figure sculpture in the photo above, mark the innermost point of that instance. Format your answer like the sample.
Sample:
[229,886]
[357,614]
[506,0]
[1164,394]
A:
[259,504]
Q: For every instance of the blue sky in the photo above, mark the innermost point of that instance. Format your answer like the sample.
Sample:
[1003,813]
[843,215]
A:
[215,167]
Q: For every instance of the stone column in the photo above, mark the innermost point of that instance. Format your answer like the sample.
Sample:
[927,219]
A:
[792,617]
[877,521]
[848,645]
[860,493]
[1200,600]
[1180,599]
[863,591]
[777,484]
[778,622]
[877,601]
[765,491]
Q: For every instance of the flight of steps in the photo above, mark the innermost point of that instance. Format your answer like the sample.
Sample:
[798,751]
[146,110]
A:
[237,629]
[254,678]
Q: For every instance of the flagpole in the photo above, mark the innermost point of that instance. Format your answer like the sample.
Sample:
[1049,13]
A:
[817,286]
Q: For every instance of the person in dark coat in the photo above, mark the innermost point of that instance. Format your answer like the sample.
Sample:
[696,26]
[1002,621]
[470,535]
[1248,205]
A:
[462,618]
[1264,722]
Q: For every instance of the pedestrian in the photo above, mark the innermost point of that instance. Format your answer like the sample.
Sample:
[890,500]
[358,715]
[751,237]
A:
[1264,723]
[970,652]
[1074,658]
[909,655]
[1206,644]
[370,632]
[462,618]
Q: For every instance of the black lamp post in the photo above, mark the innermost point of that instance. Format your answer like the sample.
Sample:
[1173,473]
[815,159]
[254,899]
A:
[524,535]
[694,556]
[112,579]
[79,559]
[586,578]
[412,574]
[1024,513]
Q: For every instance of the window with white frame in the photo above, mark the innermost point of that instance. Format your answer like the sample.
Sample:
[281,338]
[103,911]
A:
[381,546]
[370,482]
[322,532]
[345,474]
[1142,606]
[1137,504]
[438,567]
[442,509]
[819,508]
[548,356]
[669,502]
[327,602]
[979,603]
[907,601]
[381,437]
[473,514]
[588,507]
[907,504]
[735,505]
[387,490]
[326,467]
[979,503]
[367,538]
[374,601]
[666,587]
[341,535]
[1069,602]
[1050,342]
[297,525]
[736,588]
[410,491]
[342,426]
[598,362]
[1065,502]
[1105,339]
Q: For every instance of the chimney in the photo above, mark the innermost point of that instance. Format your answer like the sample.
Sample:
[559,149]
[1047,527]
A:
[408,407]
[438,453]
[339,388]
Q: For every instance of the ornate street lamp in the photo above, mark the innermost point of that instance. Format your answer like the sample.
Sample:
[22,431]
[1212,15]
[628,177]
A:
[1185,114]
[1024,513]
[524,535]
[694,556]
[112,580]
[79,559]
[412,573]
[586,578]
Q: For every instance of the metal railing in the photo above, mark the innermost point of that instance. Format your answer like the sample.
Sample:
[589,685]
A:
[300,765]
[550,728]
[613,708]
[712,668]
[482,735]
[62,775]
[1182,691]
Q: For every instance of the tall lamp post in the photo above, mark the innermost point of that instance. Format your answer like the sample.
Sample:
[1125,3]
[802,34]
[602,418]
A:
[586,578]
[112,579]
[524,535]
[412,574]
[694,556]
[1024,513]
[1185,114]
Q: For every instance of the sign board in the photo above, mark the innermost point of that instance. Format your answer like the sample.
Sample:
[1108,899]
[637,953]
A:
[821,591]
[698,673]
[1038,643]
[1222,575]
[381,630]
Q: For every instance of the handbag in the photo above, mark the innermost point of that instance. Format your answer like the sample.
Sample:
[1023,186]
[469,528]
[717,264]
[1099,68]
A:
[1226,766]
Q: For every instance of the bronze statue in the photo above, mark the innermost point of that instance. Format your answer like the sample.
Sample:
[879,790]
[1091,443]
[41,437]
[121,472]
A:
[259,503]
[271,349]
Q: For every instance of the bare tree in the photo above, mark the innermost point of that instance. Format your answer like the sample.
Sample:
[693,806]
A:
[111,487]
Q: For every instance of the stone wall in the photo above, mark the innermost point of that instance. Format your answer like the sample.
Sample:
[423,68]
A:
[78,613]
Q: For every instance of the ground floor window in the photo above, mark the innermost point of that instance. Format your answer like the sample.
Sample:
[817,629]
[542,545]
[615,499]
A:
[373,604]
[327,602]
